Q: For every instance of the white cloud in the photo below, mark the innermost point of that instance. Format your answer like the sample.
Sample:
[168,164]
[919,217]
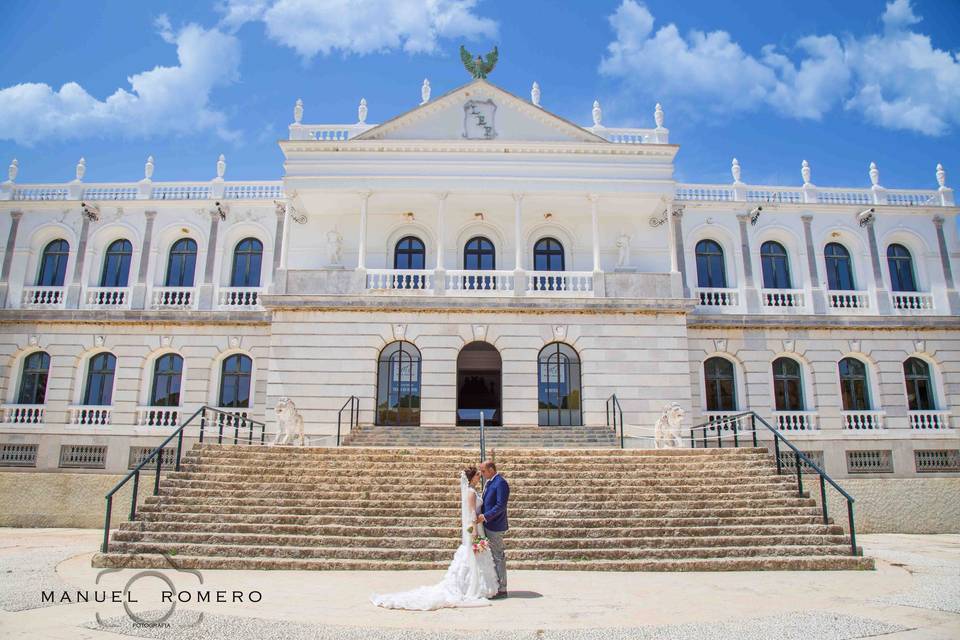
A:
[162,100]
[896,79]
[312,27]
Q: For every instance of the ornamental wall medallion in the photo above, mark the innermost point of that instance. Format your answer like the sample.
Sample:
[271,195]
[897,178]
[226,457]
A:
[560,332]
[480,332]
[399,331]
[855,346]
[478,120]
[720,345]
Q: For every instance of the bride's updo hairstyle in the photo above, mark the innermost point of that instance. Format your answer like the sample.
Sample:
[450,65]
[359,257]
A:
[470,472]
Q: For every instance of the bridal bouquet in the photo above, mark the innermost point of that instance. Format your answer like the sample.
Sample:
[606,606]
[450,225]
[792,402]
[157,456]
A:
[480,544]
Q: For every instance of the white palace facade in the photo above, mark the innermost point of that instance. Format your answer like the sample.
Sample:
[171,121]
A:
[480,253]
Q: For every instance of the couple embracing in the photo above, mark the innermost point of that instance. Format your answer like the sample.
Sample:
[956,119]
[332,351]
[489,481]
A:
[478,572]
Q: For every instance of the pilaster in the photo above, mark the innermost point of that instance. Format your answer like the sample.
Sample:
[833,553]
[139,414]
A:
[818,299]
[8,256]
[138,296]
[750,288]
[75,289]
[206,292]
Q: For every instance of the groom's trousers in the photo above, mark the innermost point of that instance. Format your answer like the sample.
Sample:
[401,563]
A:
[495,538]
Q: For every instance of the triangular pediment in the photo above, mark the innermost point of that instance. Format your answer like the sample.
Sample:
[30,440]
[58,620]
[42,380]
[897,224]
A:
[480,111]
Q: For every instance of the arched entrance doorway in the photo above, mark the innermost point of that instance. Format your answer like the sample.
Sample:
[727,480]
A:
[478,384]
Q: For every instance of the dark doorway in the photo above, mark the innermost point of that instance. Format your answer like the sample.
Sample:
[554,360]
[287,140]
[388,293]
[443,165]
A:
[478,385]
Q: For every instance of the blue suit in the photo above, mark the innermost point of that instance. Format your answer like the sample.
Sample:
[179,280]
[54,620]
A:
[495,497]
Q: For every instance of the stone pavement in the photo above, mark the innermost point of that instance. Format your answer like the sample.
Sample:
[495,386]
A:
[914,593]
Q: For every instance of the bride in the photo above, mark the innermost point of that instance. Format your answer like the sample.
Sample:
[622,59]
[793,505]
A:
[471,577]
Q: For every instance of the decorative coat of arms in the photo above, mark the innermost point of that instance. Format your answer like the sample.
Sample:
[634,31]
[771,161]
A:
[478,120]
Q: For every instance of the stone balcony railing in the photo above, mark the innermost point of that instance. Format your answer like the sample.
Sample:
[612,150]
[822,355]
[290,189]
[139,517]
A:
[782,298]
[108,297]
[848,301]
[810,194]
[717,297]
[144,190]
[89,415]
[173,298]
[929,420]
[866,420]
[239,297]
[44,297]
[796,420]
[911,301]
[22,413]
[158,416]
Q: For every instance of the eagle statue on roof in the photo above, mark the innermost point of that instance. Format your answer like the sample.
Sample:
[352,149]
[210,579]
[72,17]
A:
[478,67]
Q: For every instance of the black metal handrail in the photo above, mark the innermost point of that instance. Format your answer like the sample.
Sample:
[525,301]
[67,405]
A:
[800,458]
[221,420]
[483,438]
[354,403]
[615,416]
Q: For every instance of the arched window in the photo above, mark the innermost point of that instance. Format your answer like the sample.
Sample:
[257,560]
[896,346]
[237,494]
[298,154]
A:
[839,267]
[247,258]
[719,384]
[711,272]
[787,385]
[235,381]
[181,264]
[916,374]
[900,263]
[53,264]
[165,390]
[558,382]
[548,255]
[398,385]
[33,378]
[854,386]
[100,371]
[409,254]
[775,266]
[116,264]
[479,255]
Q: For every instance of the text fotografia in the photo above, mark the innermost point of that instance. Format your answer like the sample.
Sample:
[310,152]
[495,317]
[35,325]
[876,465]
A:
[168,597]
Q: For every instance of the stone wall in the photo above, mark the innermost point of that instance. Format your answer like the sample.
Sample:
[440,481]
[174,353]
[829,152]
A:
[896,505]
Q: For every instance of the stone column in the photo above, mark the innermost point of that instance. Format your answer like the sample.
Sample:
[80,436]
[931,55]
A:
[76,285]
[205,295]
[138,297]
[883,297]
[519,276]
[595,230]
[440,272]
[362,244]
[279,280]
[750,287]
[8,256]
[952,296]
[676,223]
[818,300]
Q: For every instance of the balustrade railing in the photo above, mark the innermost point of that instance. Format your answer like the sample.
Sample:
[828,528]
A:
[108,297]
[564,281]
[911,301]
[401,280]
[848,300]
[716,297]
[45,297]
[23,413]
[158,416]
[775,195]
[781,298]
[929,420]
[863,420]
[239,297]
[41,192]
[479,281]
[796,420]
[172,297]
[181,192]
[707,192]
[89,415]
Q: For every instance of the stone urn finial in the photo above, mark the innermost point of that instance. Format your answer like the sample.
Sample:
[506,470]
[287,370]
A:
[425,92]
[148,168]
[298,111]
[735,171]
[81,169]
[941,176]
[362,111]
[874,174]
[12,170]
[597,114]
[658,116]
[805,172]
[535,94]
[221,167]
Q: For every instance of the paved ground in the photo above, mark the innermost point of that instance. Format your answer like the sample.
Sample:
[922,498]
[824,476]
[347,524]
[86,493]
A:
[914,593]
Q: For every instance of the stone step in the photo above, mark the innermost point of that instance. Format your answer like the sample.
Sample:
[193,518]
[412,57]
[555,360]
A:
[585,526]
[517,530]
[778,563]
[445,554]
[389,454]
[445,542]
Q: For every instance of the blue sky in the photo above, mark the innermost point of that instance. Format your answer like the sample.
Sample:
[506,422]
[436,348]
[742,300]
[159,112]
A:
[840,84]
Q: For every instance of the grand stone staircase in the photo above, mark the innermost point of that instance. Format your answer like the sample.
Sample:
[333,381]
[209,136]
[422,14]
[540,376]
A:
[236,507]
[567,437]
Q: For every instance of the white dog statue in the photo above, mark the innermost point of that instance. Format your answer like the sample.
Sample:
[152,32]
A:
[666,434]
[289,423]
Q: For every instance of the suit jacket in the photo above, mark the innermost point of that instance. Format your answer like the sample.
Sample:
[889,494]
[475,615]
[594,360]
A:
[494,507]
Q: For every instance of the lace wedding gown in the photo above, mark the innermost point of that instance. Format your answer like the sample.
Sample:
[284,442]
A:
[470,579]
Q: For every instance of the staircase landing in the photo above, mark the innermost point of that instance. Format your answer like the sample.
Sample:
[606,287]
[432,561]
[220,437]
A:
[521,437]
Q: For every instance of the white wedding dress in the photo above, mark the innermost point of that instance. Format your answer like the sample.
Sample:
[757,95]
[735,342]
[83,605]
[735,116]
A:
[470,579]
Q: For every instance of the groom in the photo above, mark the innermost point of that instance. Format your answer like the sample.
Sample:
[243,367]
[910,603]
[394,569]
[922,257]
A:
[493,514]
